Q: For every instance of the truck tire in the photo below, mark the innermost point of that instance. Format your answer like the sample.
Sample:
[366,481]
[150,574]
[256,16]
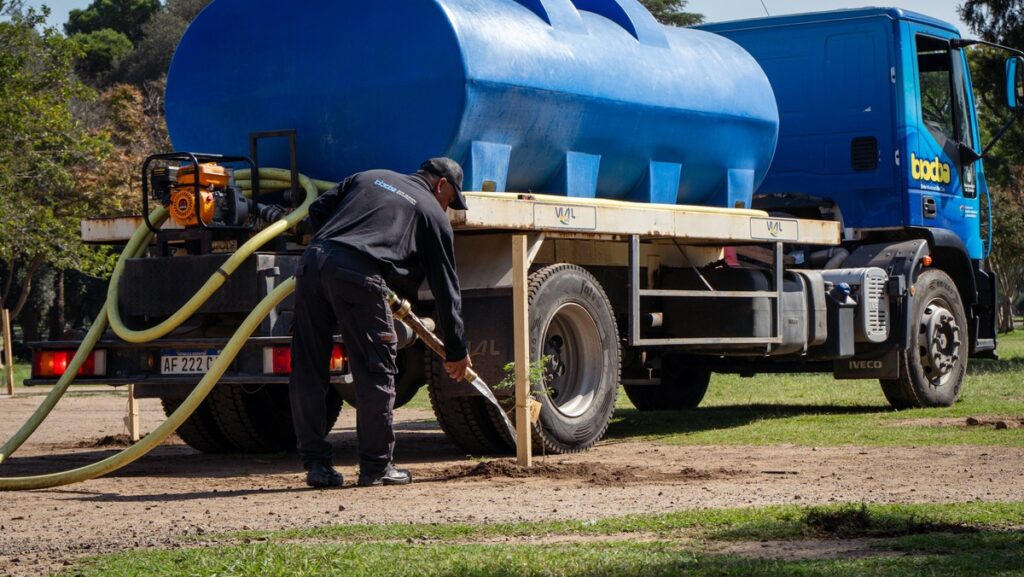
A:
[200,430]
[932,368]
[681,388]
[469,422]
[572,322]
[257,418]
[411,376]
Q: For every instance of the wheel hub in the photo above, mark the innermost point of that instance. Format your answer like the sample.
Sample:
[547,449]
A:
[572,343]
[942,339]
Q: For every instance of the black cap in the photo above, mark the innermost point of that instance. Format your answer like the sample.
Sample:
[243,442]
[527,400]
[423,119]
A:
[447,168]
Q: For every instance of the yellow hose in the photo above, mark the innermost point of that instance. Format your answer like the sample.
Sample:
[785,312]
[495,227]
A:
[216,280]
[136,245]
[279,183]
[110,312]
[150,441]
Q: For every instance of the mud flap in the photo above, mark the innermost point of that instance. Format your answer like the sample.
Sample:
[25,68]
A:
[885,365]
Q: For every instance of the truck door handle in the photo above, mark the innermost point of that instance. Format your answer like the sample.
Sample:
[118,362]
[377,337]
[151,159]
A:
[930,210]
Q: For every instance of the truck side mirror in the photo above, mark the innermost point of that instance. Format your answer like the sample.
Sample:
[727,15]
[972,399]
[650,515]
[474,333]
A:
[1015,82]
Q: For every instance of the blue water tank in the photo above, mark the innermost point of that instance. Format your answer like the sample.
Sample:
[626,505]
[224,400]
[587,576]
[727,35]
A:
[588,98]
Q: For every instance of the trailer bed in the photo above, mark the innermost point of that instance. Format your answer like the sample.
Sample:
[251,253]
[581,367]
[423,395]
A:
[565,217]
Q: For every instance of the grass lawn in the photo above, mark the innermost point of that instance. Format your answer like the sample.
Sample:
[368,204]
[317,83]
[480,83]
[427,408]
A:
[953,540]
[21,372]
[818,410]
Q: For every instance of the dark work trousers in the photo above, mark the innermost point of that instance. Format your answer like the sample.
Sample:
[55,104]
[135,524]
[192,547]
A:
[338,289]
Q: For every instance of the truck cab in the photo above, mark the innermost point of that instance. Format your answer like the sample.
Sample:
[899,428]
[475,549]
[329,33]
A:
[878,130]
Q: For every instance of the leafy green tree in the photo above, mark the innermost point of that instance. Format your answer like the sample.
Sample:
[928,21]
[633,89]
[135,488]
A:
[1000,21]
[152,56]
[672,12]
[102,51]
[124,16]
[41,144]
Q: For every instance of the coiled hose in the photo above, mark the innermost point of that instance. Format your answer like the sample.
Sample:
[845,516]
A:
[110,314]
[216,280]
[152,440]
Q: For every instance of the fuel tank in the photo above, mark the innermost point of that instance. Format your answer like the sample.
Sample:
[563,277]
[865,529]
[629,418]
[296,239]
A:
[587,98]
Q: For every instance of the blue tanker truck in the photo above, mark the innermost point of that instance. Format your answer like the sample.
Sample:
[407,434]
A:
[788,194]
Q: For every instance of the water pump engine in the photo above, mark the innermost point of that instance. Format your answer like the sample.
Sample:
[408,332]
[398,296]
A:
[220,201]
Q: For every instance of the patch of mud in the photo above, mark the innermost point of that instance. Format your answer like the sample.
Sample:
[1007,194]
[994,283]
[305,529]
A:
[106,442]
[997,423]
[594,473]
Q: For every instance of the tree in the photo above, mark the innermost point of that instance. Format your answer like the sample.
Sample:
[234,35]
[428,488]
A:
[124,16]
[41,143]
[152,56]
[1000,21]
[102,51]
[672,12]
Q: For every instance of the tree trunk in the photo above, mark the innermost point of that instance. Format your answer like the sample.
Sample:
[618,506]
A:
[26,285]
[8,283]
[57,320]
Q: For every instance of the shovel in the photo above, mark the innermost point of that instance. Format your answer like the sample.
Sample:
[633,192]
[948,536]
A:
[402,311]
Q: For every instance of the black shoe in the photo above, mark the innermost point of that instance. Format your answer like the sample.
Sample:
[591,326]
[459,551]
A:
[321,475]
[389,476]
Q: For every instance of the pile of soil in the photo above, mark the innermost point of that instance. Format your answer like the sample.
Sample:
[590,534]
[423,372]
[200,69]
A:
[595,473]
[106,442]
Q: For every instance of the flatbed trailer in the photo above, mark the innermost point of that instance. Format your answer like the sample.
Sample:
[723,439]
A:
[511,249]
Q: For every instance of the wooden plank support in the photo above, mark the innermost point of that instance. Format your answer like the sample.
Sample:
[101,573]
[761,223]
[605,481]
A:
[131,420]
[521,332]
[8,360]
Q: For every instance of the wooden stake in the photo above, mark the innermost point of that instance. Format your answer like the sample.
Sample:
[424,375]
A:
[131,421]
[521,332]
[8,360]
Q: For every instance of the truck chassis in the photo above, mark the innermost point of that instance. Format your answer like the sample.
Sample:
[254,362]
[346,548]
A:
[647,296]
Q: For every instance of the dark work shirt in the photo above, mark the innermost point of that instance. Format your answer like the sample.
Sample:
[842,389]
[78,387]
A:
[395,220]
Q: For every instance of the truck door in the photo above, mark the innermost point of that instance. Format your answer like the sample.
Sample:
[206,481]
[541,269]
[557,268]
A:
[943,178]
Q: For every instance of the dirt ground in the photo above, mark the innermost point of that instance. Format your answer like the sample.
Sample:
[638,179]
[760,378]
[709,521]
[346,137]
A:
[175,492]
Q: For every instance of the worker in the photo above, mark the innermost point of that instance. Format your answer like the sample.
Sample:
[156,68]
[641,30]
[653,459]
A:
[375,227]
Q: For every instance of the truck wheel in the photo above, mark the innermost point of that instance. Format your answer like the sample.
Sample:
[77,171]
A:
[572,323]
[681,387]
[932,368]
[258,419]
[470,422]
[411,373]
[410,377]
[200,430]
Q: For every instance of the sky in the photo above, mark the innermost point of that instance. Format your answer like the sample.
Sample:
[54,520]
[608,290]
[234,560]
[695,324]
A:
[713,10]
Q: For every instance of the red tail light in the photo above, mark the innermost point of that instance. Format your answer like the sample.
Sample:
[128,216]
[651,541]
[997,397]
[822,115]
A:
[50,364]
[338,359]
[277,360]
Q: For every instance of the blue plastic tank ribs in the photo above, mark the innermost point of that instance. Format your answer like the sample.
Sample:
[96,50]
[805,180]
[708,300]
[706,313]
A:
[588,98]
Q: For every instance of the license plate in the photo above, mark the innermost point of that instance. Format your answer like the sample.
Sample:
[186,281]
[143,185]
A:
[188,362]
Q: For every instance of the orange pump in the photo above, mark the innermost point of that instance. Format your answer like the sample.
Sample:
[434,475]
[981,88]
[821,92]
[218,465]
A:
[183,198]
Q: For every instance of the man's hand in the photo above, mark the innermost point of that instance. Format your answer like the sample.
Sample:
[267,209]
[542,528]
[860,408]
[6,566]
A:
[457,369]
